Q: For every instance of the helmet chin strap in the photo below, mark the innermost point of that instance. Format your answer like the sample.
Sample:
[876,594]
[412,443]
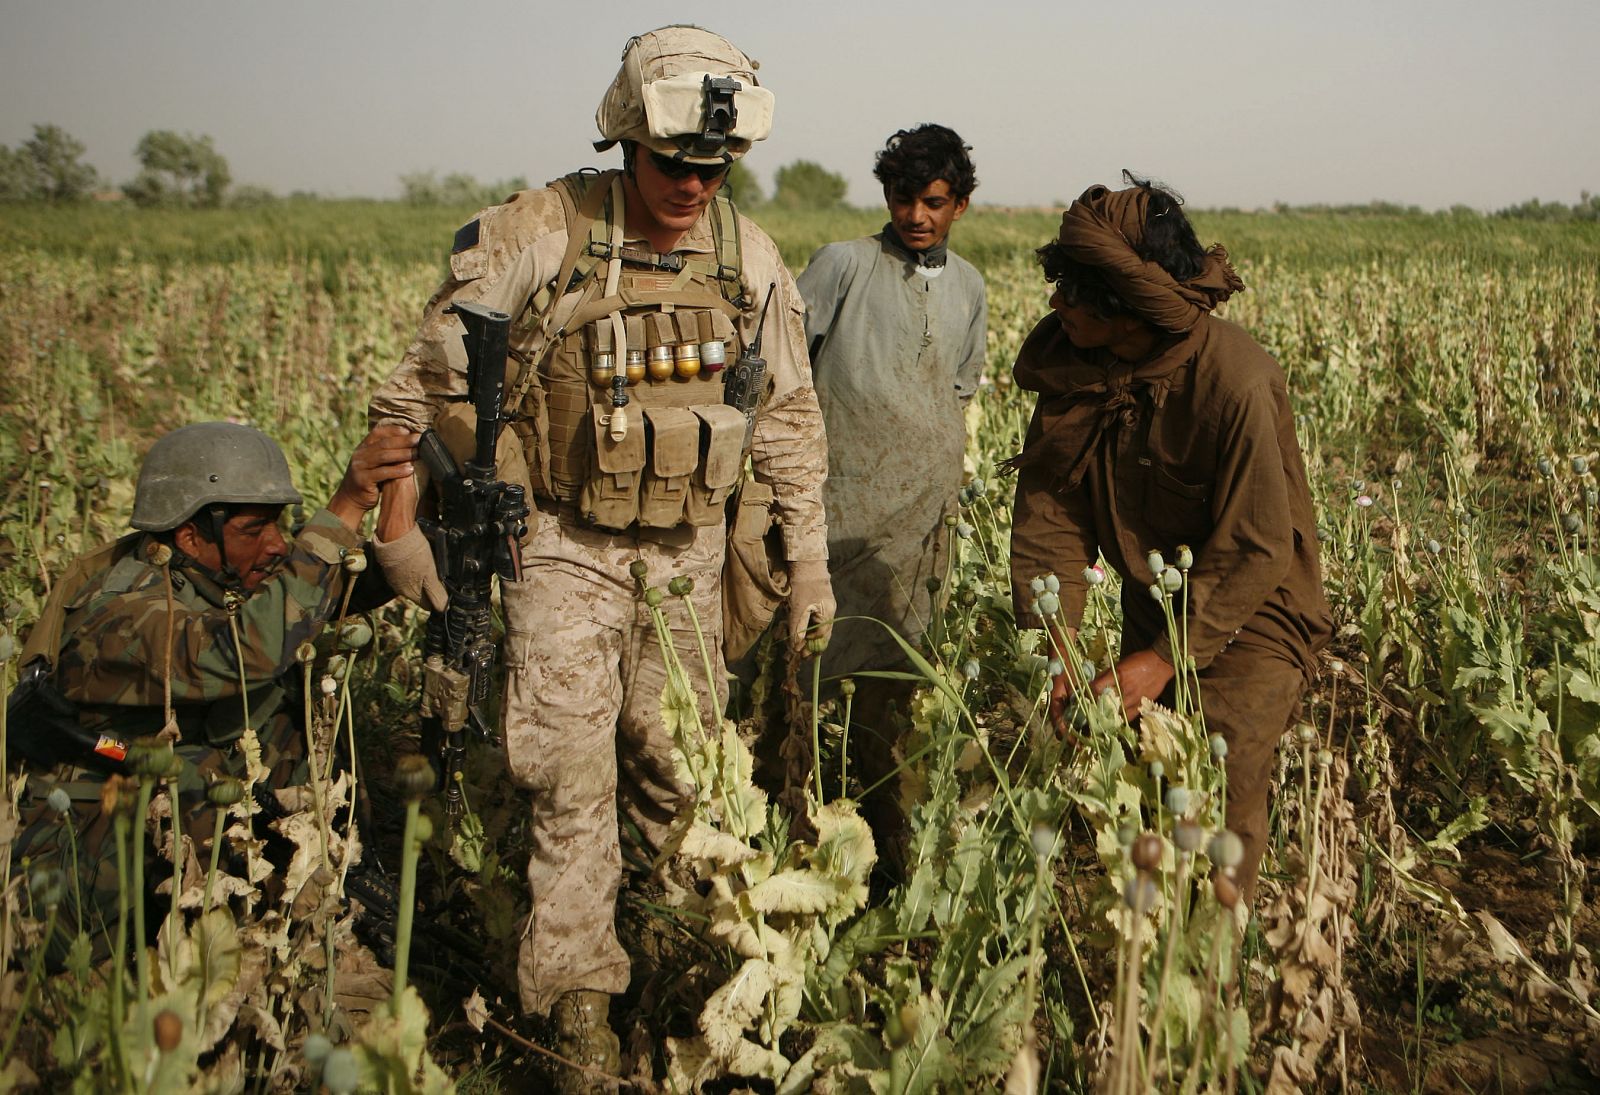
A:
[226,576]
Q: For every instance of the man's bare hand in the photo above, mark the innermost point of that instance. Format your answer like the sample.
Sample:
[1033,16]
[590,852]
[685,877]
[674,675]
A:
[1142,675]
[1061,694]
[1064,685]
[384,455]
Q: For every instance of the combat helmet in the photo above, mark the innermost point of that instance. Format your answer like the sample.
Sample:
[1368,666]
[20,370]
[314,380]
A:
[206,464]
[686,93]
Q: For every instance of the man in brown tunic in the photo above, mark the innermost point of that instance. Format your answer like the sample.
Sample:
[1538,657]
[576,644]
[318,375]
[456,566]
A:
[1159,425]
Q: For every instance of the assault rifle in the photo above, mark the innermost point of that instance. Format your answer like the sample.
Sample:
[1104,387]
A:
[481,519]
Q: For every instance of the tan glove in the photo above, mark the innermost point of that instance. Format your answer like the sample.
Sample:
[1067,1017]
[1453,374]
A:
[811,605]
[408,565]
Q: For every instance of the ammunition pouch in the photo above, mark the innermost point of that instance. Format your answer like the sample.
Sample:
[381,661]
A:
[679,456]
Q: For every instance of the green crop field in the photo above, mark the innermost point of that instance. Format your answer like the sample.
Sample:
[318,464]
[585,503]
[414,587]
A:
[1426,920]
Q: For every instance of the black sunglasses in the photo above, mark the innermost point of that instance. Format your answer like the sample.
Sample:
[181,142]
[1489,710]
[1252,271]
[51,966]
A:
[681,169]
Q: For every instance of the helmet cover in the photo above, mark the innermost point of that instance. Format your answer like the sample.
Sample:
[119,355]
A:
[686,93]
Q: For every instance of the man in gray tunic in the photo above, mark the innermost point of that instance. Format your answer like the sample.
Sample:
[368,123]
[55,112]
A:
[896,325]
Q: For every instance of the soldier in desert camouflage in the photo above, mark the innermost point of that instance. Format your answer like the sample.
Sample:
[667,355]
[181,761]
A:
[203,604]
[629,291]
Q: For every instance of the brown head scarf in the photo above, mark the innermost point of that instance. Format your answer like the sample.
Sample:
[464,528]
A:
[1082,394]
[1104,228]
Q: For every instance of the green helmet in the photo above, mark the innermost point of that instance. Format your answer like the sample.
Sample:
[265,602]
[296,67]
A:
[206,464]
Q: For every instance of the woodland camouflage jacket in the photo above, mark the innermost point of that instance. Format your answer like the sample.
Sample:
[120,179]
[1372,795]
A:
[112,660]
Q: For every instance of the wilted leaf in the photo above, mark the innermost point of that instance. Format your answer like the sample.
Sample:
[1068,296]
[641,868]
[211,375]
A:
[844,841]
[393,1050]
[475,1010]
[715,848]
[1160,731]
[797,892]
[735,1007]
[689,1064]
[264,1024]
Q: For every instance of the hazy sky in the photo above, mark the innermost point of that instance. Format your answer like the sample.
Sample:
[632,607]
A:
[1418,101]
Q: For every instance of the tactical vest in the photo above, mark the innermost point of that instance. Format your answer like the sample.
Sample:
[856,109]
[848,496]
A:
[621,410]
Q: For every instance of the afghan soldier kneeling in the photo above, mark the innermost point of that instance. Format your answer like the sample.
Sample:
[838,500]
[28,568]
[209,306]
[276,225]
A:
[186,629]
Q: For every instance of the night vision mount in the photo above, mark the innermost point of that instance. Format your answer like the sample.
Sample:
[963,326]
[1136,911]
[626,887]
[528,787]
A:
[721,115]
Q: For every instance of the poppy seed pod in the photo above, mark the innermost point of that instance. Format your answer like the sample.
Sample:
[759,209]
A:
[168,1029]
[414,776]
[225,792]
[1226,849]
[316,1048]
[1188,836]
[355,634]
[1227,891]
[149,757]
[1147,852]
[1140,894]
[340,1071]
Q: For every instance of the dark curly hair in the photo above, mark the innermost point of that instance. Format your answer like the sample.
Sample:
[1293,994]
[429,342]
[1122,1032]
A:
[1169,241]
[914,158]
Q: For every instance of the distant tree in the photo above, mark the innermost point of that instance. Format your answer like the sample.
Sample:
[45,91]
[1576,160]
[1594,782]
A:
[58,162]
[807,185]
[178,169]
[250,195]
[17,180]
[743,184]
[457,188]
[47,167]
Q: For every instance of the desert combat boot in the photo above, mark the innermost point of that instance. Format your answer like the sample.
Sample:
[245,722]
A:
[583,1035]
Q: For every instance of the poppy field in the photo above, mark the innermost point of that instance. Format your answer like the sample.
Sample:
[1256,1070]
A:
[1426,918]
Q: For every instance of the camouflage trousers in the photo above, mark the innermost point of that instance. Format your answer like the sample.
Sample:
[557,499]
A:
[583,729]
[81,841]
